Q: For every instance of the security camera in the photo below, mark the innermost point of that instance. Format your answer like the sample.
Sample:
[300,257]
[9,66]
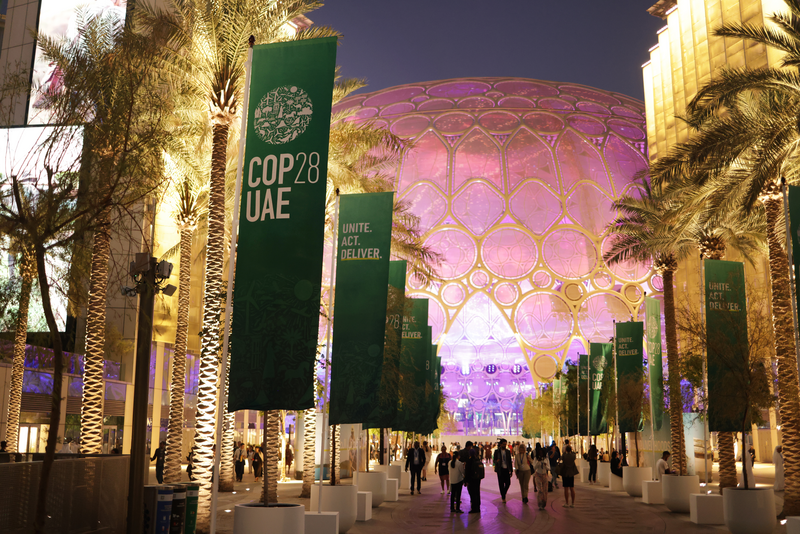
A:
[164,269]
[141,264]
[128,291]
[169,290]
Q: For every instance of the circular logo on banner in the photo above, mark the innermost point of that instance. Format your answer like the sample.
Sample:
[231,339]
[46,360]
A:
[282,115]
[652,329]
[599,363]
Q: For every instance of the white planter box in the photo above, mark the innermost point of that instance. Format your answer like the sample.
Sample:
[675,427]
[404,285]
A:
[392,490]
[374,482]
[615,483]
[749,511]
[405,481]
[341,499]
[364,512]
[651,492]
[632,478]
[392,471]
[793,525]
[706,509]
[281,518]
[676,490]
[322,522]
[603,472]
[583,466]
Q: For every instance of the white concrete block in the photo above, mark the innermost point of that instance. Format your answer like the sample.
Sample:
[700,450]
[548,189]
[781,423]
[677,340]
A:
[793,525]
[364,512]
[405,481]
[392,489]
[615,483]
[583,467]
[651,492]
[322,523]
[706,509]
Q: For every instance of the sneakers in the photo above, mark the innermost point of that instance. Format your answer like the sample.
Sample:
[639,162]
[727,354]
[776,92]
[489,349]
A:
[448,492]
[442,492]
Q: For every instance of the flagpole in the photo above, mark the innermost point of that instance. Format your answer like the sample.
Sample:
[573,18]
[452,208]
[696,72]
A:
[328,358]
[705,372]
[229,297]
[616,384]
[588,398]
[650,380]
[578,418]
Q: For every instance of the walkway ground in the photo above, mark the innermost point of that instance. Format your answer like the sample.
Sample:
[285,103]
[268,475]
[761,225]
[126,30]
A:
[597,510]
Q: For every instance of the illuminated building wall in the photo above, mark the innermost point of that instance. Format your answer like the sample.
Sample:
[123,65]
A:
[513,181]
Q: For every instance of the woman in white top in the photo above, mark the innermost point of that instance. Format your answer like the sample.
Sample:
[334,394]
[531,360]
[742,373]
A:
[457,473]
[522,465]
[777,459]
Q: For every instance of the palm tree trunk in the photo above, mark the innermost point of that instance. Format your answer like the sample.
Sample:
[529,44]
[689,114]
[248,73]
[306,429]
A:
[269,490]
[309,451]
[27,271]
[93,391]
[334,454]
[727,461]
[174,453]
[785,350]
[226,464]
[675,400]
[209,350]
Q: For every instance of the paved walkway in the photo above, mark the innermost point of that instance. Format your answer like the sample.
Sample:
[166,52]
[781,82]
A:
[597,510]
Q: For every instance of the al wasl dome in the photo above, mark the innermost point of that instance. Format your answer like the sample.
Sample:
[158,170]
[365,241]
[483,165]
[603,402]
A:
[513,180]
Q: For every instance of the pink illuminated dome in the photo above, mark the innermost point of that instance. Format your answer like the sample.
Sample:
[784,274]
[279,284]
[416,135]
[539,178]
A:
[513,181]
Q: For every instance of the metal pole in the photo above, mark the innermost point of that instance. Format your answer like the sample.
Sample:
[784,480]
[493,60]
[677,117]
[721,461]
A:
[229,297]
[705,371]
[139,468]
[325,385]
[588,398]
[792,287]
[650,380]
[578,404]
[616,383]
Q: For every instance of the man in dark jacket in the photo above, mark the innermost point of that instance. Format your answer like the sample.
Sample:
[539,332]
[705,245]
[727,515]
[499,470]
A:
[473,472]
[415,459]
[503,467]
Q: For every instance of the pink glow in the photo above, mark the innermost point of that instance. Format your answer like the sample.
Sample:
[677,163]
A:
[478,207]
[477,157]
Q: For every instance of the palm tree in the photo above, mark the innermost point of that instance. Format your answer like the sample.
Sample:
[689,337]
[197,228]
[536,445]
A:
[642,232]
[209,51]
[309,449]
[746,138]
[27,271]
[190,208]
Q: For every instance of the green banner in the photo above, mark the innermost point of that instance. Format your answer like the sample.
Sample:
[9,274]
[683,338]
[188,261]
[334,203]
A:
[600,355]
[359,326]
[654,362]
[583,394]
[572,400]
[727,344]
[385,410]
[281,227]
[415,351]
[630,375]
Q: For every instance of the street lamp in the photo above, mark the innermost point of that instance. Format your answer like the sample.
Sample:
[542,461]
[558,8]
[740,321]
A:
[149,277]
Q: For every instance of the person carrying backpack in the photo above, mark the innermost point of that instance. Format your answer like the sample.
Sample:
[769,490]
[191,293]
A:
[475,471]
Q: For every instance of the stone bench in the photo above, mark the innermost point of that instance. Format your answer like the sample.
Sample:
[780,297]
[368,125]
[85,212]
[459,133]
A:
[651,492]
[364,502]
[322,523]
[706,509]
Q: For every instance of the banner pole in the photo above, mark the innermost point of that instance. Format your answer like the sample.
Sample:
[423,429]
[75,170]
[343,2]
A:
[792,286]
[705,371]
[231,271]
[578,414]
[650,381]
[616,389]
[326,385]
[588,398]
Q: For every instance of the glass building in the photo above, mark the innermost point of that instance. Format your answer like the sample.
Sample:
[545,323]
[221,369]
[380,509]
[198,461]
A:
[513,181]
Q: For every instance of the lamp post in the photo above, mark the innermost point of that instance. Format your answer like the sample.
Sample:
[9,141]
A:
[149,276]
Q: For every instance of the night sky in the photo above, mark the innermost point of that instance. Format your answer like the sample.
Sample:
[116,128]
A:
[593,42]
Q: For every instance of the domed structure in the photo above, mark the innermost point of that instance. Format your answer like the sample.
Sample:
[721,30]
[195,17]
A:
[513,181]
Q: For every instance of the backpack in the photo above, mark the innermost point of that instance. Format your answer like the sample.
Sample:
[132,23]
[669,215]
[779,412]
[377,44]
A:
[477,471]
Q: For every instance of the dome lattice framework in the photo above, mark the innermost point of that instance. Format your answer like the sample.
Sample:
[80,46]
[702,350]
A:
[513,181]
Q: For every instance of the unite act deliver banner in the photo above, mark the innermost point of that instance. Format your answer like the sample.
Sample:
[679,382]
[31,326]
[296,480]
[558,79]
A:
[281,226]
[414,352]
[654,359]
[630,373]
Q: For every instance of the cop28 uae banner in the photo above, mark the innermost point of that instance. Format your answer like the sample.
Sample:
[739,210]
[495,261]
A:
[726,343]
[359,327]
[385,409]
[571,422]
[281,226]
[414,352]
[599,357]
[630,360]
[654,359]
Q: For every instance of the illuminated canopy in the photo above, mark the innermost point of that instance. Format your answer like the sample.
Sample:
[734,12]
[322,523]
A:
[513,181]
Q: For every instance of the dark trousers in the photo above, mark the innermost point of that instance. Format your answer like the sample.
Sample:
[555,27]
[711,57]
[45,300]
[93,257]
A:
[239,468]
[160,472]
[503,480]
[455,496]
[474,489]
[416,472]
[592,470]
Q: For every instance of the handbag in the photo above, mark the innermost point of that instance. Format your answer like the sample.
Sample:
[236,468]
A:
[556,470]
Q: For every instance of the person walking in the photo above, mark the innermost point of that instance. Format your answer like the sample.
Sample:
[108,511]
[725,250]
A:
[777,460]
[442,467]
[592,458]
[522,463]
[503,467]
[541,472]
[553,455]
[258,463]
[289,458]
[250,454]
[239,456]
[568,472]
[428,456]
[415,459]
[159,457]
[474,472]
[457,476]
